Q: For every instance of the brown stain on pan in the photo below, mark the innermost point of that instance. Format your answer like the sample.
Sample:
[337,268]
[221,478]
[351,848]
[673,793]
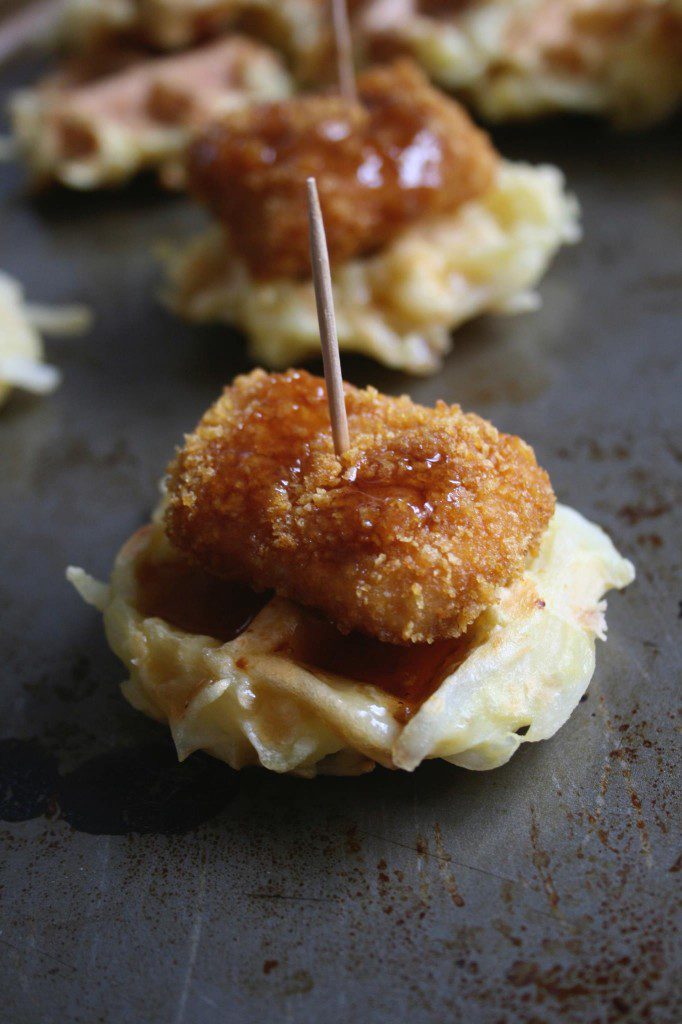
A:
[423,854]
[445,869]
[624,755]
[631,739]
[677,866]
[541,861]
[634,514]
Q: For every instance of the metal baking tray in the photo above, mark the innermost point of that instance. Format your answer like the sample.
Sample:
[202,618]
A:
[139,890]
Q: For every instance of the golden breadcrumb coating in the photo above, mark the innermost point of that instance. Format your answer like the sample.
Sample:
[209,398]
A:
[405,153]
[405,539]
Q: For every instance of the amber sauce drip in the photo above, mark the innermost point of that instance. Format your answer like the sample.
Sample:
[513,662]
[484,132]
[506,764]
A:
[196,602]
[411,673]
[192,600]
[276,456]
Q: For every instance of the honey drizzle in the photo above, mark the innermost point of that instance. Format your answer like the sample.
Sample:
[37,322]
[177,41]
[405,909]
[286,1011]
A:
[196,602]
[191,599]
[410,673]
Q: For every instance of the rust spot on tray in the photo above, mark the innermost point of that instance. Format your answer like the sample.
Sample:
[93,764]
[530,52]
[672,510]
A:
[651,540]
[523,974]
[541,861]
[677,866]
[446,873]
[635,514]
[353,844]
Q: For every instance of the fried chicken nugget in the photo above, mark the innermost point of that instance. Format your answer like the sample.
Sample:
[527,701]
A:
[406,152]
[406,538]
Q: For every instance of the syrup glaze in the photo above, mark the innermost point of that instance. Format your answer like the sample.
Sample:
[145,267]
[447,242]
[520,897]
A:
[192,600]
[395,491]
[405,153]
[411,673]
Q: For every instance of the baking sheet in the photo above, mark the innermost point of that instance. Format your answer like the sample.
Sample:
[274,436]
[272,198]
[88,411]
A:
[137,890]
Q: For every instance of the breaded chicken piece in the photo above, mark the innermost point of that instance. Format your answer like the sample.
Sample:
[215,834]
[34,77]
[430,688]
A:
[405,153]
[405,539]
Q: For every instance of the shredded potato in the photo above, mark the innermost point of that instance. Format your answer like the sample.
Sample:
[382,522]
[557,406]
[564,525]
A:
[246,703]
[508,58]
[524,58]
[21,347]
[400,305]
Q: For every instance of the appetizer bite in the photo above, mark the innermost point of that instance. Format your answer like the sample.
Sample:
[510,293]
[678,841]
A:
[21,346]
[299,28]
[427,225]
[158,24]
[418,596]
[105,116]
[507,59]
[524,58]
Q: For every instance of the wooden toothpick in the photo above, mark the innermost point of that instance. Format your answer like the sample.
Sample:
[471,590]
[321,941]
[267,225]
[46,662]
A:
[344,51]
[324,299]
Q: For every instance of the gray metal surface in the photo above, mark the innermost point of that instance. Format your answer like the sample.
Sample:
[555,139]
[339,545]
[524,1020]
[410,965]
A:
[135,890]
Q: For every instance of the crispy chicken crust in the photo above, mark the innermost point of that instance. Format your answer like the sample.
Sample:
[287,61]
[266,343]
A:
[405,539]
[407,152]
